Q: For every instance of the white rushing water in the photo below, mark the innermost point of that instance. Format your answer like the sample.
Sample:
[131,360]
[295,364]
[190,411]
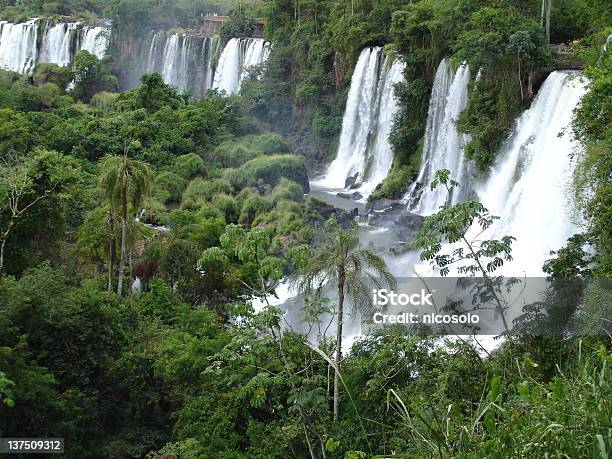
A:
[364,152]
[95,40]
[20,49]
[238,55]
[183,60]
[58,43]
[529,186]
[443,144]
[18,46]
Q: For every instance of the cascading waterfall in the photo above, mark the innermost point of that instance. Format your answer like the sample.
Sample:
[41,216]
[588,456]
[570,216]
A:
[183,60]
[95,40]
[364,152]
[529,186]
[18,46]
[58,43]
[443,145]
[20,49]
[238,55]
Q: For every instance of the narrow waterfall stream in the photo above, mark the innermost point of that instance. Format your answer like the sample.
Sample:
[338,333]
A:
[238,55]
[364,155]
[443,145]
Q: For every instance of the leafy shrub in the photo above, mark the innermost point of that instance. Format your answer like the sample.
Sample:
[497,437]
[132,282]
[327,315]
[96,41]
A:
[269,143]
[104,100]
[271,169]
[234,154]
[189,166]
[228,206]
[287,190]
[238,178]
[169,187]
[200,190]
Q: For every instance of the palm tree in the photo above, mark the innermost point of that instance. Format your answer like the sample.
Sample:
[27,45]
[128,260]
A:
[126,183]
[354,271]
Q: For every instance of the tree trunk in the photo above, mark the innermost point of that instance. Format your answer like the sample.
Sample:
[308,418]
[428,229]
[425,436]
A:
[111,253]
[4,240]
[2,254]
[520,82]
[548,10]
[122,259]
[338,344]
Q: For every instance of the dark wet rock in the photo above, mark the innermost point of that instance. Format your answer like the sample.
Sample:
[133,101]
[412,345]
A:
[319,211]
[356,196]
[384,204]
[350,181]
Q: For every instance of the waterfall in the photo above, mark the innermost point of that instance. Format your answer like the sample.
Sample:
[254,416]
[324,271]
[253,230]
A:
[58,43]
[95,40]
[443,145]
[20,49]
[184,61]
[18,46]
[529,185]
[238,55]
[364,154]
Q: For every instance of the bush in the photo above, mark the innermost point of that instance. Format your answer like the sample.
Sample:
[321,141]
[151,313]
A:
[52,73]
[169,187]
[235,154]
[238,178]
[271,169]
[288,191]
[228,206]
[253,206]
[270,143]
[104,101]
[200,190]
[189,166]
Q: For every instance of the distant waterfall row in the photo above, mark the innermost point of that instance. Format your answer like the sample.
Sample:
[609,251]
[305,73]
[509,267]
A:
[364,155]
[186,61]
[24,45]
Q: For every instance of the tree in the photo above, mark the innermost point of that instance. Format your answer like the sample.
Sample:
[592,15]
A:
[340,262]
[91,76]
[455,224]
[17,196]
[126,183]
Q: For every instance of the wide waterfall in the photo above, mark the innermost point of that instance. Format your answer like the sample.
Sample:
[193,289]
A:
[19,46]
[20,49]
[238,55]
[186,62]
[443,145]
[530,186]
[364,154]
[183,60]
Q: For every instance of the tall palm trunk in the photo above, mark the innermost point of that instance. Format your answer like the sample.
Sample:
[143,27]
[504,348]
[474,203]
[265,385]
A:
[111,252]
[338,344]
[123,238]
